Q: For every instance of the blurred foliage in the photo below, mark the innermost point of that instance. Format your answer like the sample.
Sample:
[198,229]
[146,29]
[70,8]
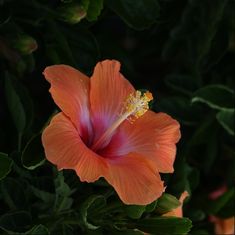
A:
[183,51]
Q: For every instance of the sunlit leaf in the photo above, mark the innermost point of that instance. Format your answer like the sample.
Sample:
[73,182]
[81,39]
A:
[215,96]
[226,119]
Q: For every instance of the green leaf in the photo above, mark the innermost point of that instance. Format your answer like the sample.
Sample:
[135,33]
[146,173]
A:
[127,232]
[139,15]
[60,43]
[33,154]
[166,203]
[182,83]
[15,221]
[190,41]
[62,229]
[180,109]
[217,52]
[85,47]
[226,119]
[15,105]
[94,9]
[89,208]
[38,230]
[215,96]
[134,211]
[5,165]
[46,197]
[151,207]
[14,193]
[63,201]
[19,104]
[165,225]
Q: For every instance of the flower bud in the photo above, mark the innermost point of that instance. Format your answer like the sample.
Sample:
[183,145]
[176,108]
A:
[72,13]
[25,44]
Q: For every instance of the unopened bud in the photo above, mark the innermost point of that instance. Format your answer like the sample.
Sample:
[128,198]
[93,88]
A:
[25,44]
[72,13]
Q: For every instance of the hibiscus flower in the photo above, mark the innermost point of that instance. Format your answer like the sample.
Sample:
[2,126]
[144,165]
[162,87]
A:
[105,129]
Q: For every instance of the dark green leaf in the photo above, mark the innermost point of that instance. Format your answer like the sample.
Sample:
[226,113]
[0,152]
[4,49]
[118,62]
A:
[151,207]
[38,230]
[5,165]
[60,43]
[46,197]
[139,15]
[215,96]
[62,229]
[165,225]
[33,154]
[134,211]
[19,103]
[15,221]
[167,203]
[226,119]
[93,203]
[63,201]
[14,193]
[216,205]
[191,39]
[217,52]
[180,109]
[15,105]
[127,232]
[94,9]
[182,83]
[85,48]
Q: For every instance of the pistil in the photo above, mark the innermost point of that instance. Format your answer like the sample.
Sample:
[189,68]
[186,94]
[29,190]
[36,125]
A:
[136,105]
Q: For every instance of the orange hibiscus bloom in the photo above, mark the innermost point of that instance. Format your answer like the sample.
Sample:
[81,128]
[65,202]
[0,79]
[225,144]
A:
[106,130]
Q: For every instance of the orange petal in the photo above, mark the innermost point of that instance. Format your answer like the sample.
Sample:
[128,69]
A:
[134,180]
[223,226]
[109,90]
[153,135]
[69,89]
[64,148]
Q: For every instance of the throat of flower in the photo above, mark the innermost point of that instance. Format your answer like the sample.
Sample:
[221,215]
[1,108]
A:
[136,105]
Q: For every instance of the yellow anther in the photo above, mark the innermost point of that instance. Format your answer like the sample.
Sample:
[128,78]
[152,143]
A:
[137,104]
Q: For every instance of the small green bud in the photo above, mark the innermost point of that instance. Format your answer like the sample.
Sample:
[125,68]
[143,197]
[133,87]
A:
[25,44]
[72,13]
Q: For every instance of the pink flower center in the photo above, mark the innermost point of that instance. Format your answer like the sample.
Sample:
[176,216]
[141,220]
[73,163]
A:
[136,105]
